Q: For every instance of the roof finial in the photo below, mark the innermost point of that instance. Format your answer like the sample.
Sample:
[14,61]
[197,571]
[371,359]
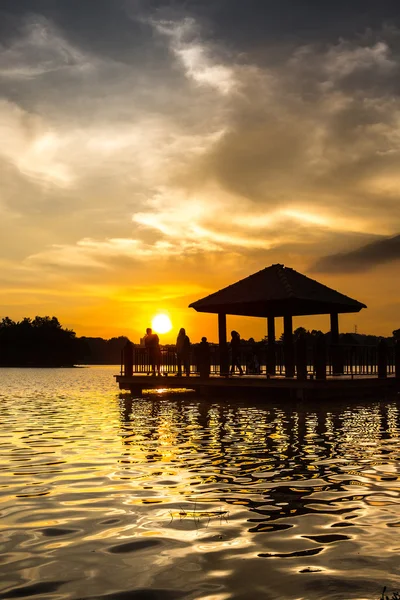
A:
[282,276]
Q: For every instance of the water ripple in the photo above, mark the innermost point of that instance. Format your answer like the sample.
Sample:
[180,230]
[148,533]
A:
[106,496]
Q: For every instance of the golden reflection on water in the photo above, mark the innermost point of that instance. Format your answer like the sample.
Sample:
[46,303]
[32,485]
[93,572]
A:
[102,494]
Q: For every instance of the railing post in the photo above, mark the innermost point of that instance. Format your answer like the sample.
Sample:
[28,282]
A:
[320,357]
[128,359]
[382,359]
[336,354]
[271,347]
[351,353]
[301,356]
[288,346]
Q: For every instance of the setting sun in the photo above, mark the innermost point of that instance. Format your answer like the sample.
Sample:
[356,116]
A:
[161,324]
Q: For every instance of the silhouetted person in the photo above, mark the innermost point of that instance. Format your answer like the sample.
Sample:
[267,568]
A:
[183,352]
[252,360]
[204,358]
[152,343]
[320,356]
[235,351]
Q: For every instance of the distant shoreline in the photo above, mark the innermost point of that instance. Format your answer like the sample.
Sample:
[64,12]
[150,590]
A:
[16,366]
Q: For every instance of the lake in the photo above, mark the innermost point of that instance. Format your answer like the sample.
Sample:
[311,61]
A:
[104,496]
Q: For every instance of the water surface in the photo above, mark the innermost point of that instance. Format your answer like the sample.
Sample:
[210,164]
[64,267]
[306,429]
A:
[105,496]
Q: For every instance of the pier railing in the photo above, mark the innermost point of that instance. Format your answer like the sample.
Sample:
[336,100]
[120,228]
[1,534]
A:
[311,361]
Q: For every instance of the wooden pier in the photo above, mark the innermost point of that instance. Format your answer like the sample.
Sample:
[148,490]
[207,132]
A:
[267,388]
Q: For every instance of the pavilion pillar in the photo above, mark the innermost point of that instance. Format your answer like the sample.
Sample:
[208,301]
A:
[337,359]
[223,346]
[335,328]
[288,347]
[271,348]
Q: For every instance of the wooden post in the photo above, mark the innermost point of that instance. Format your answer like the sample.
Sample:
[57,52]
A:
[337,360]
[128,359]
[271,355]
[382,359]
[288,348]
[223,347]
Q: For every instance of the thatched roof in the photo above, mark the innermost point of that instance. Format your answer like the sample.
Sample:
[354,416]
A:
[277,291]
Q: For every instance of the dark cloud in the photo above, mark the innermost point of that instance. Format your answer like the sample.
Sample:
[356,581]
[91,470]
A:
[326,144]
[103,23]
[248,25]
[382,251]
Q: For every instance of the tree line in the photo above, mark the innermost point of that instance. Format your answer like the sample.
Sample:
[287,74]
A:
[43,342]
[347,339]
[38,342]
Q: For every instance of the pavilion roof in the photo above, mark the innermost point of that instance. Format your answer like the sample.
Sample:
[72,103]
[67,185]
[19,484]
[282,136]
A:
[277,291]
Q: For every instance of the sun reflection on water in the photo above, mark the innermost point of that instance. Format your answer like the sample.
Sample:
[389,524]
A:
[130,494]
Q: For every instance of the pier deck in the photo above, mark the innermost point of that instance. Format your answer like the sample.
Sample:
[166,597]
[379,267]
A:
[274,387]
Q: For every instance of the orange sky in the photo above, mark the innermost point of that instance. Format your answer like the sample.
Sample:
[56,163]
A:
[153,154]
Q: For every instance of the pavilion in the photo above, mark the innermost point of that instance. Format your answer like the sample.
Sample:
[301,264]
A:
[276,291]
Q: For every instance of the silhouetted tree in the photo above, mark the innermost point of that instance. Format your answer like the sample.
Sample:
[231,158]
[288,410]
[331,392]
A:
[299,332]
[100,351]
[38,342]
[316,333]
[349,339]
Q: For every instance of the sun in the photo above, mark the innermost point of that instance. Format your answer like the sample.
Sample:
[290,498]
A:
[161,323]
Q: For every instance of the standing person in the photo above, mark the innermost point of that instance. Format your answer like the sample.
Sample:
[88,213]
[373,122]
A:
[235,350]
[204,358]
[152,343]
[183,352]
[252,362]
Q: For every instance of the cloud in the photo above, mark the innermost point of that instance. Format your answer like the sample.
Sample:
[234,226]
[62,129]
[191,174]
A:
[254,156]
[40,50]
[296,136]
[345,59]
[362,259]
[195,57]
[161,139]
[31,146]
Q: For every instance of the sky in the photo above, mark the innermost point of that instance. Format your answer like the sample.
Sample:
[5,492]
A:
[155,151]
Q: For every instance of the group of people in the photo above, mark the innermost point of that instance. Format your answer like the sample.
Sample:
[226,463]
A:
[152,343]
